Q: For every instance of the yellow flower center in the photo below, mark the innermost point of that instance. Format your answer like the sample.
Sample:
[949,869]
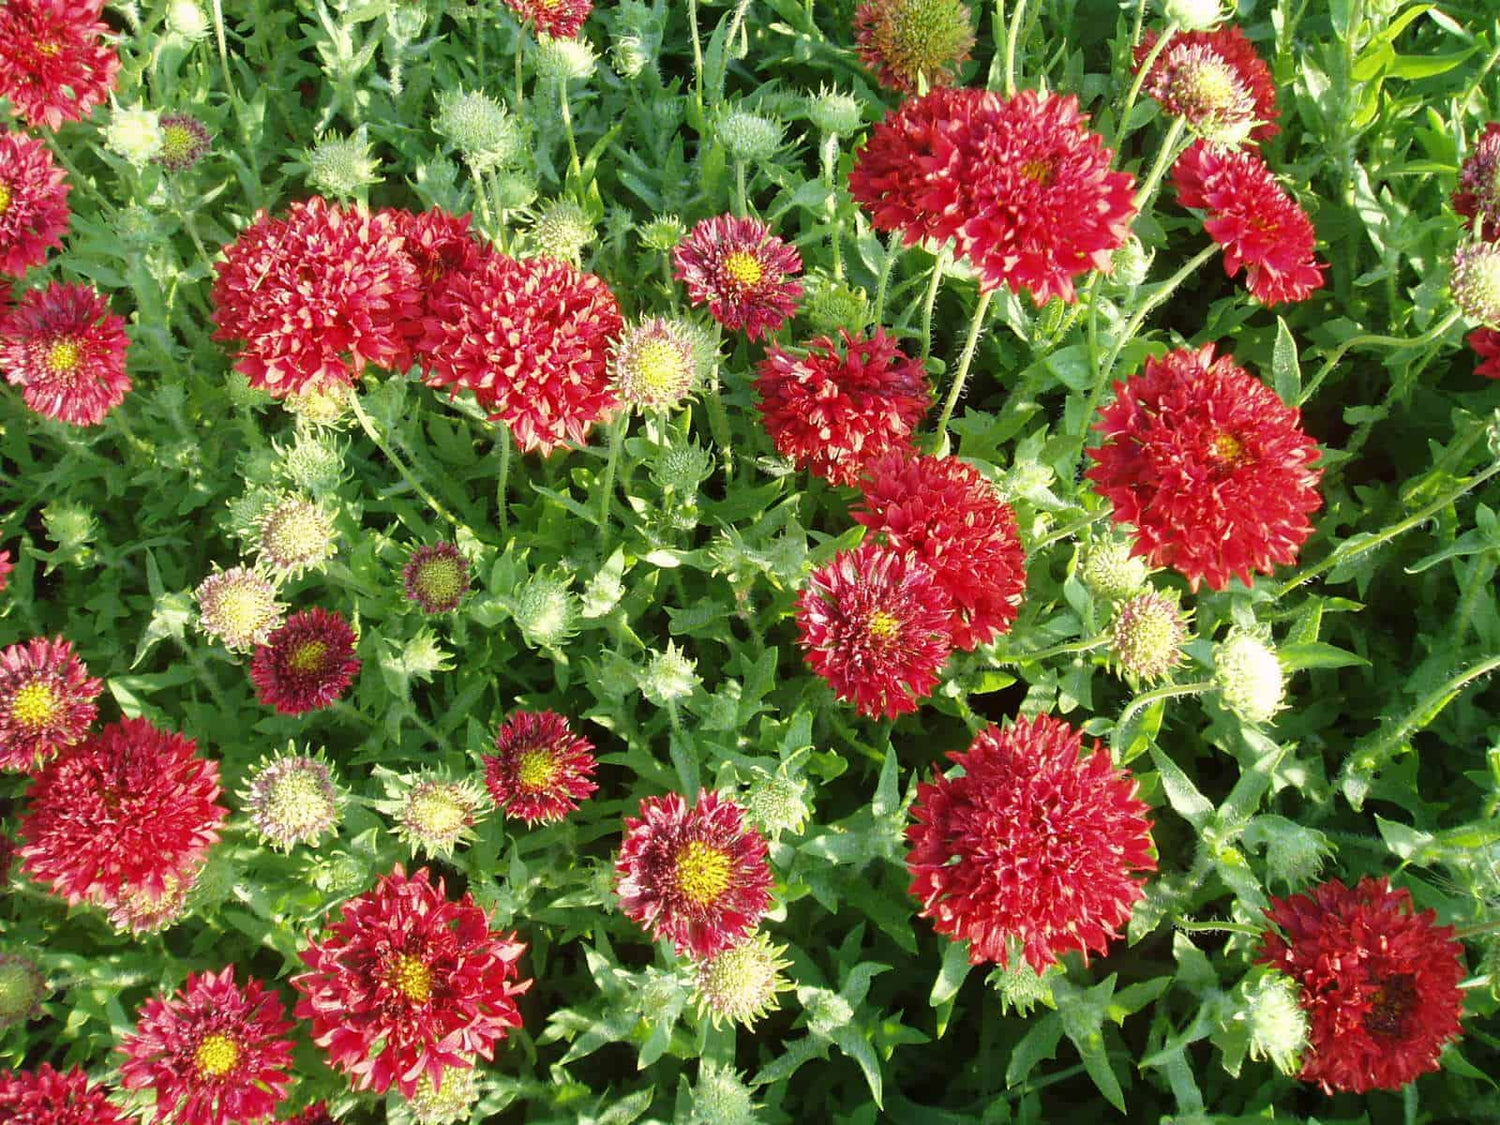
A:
[702,872]
[437,814]
[48,48]
[1039,171]
[744,269]
[308,657]
[243,609]
[35,705]
[5,197]
[437,579]
[883,626]
[536,769]
[177,142]
[217,1055]
[64,356]
[1228,448]
[412,978]
[296,802]
[659,364]
[1206,87]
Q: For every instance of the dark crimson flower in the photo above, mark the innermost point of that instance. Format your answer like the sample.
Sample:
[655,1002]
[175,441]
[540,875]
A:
[904,40]
[408,984]
[54,63]
[307,663]
[66,350]
[49,1097]
[316,296]
[1021,185]
[875,624]
[1217,61]
[1486,345]
[184,141]
[315,1114]
[1034,850]
[1379,980]
[560,19]
[840,406]
[540,769]
[215,1054]
[130,810]
[696,876]
[46,701]
[531,339]
[1209,465]
[34,211]
[950,517]
[1478,194]
[1262,229]
[741,271]
[437,577]
[440,246]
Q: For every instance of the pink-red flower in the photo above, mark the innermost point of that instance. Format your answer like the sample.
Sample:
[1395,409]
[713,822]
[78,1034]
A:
[215,1053]
[55,65]
[1379,980]
[1035,849]
[696,875]
[1485,343]
[49,1097]
[33,202]
[1021,185]
[561,19]
[46,701]
[1243,70]
[315,1114]
[6,568]
[307,663]
[408,984]
[741,271]
[66,350]
[903,41]
[1263,230]
[441,245]
[1212,469]
[950,517]
[875,624]
[839,406]
[130,811]
[316,296]
[436,577]
[1478,194]
[540,769]
[530,338]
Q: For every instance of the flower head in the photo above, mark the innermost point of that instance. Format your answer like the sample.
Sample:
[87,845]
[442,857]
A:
[34,211]
[46,701]
[48,1097]
[695,875]
[1485,343]
[184,141]
[902,41]
[1147,635]
[561,19]
[531,339]
[340,166]
[841,405]
[55,63]
[66,350]
[296,534]
[1021,185]
[408,984]
[481,128]
[434,814]
[127,811]
[739,984]
[1111,571]
[1478,196]
[215,1053]
[1379,982]
[742,272]
[541,769]
[453,1102]
[1262,229]
[22,986]
[875,624]
[1035,849]
[654,365]
[292,799]
[1209,465]
[146,910]
[239,607]
[1249,677]
[437,577]
[561,229]
[1476,281]
[948,515]
[1216,80]
[307,663]
[442,246]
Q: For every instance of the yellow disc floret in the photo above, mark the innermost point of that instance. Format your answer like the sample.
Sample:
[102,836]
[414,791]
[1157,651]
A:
[217,1055]
[702,872]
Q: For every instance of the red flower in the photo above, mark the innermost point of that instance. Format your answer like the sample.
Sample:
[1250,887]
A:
[49,1097]
[874,623]
[316,296]
[307,663]
[1380,982]
[1021,184]
[741,271]
[6,567]
[1034,849]
[560,19]
[1261,228]
[1227,46]
[905,40]
[531,339]
[407,983]
[54,64]
[1209,465]
[46,701]
[128,812]
[440,246]
[1478,194]
[315,1114]
[33,201]
[949,516]
[696,876]
[1486,344]
[541,769]
[837,408]
[215,1054]
[67,350]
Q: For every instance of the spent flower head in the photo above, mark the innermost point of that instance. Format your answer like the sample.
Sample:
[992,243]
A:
[435,814]
[437,577]
[1148,633]
[654,365]
[292,799]
[1476,281]
[184,141]
[740,984]
[239,607]
[453,1102]
[296,534]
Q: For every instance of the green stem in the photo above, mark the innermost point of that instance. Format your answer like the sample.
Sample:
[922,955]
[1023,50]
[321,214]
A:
[1395,343]
[741,201]
[1140,19]
[1086,644]
[1140,80]
[368,425]
[1011,34]
[190,225]
[503,483]
[1068,529]
[1479,78]
[1169,691]
[520,71]
[1167,154]
[970,345]
[697,53]
[484,200]
[892,252]
[718,423]
[1218,927]
[1478,929]
[575,168]
[933,284]
[616,437]
[224,49]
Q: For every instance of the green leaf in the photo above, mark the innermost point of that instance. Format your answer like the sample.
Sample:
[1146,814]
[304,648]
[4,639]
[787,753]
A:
[1316,654]
[1286,372]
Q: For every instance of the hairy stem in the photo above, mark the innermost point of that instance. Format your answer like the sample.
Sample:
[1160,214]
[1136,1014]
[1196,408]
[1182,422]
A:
[967,358]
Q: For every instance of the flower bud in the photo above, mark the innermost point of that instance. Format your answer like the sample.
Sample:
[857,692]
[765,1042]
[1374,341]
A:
[22,986]
[1193,15]
[135,134]
[342,167]
[565,60]
[1476,281]
[668,676]
[739,985]
[750,137]
[1249,677]
[1111,571]
[1147,635]
[546,611]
